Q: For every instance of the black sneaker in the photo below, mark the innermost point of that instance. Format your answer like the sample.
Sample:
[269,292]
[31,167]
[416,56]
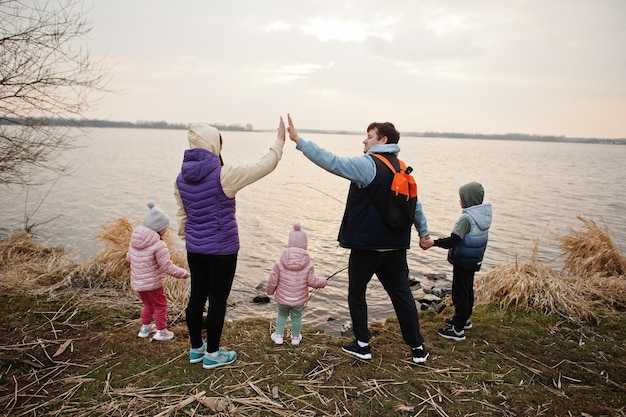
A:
[353,348]
[468,324]
[451,334]
[420,354]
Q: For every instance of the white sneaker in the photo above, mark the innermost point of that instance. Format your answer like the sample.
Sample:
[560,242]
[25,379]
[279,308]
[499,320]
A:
[146,329]
[295,340]
[163,335]
[277,338]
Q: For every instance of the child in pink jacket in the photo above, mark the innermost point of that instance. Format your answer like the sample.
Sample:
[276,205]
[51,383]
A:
[150,261]
[290,279]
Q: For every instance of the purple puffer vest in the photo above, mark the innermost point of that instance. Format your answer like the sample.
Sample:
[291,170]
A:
[211,227]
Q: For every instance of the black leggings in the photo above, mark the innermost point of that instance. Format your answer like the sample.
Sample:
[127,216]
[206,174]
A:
[211,279]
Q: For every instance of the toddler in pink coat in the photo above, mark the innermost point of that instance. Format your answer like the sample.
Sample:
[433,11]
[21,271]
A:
[150,261]
[292,275]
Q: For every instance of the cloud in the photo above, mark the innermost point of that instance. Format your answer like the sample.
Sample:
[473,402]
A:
[347,30]
[487,66]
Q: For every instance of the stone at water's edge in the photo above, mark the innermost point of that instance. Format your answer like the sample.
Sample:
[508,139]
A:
[435,277]
[431,298]
[346,329]
[261,299]
[439,290]
[414,283]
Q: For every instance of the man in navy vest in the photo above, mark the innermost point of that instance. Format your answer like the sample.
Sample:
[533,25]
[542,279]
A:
[375,248]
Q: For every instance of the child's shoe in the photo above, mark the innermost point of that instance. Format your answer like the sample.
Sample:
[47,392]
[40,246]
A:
[163,335]
[295,340]
[146,329]
[277,338]
[196,355]
[223,357]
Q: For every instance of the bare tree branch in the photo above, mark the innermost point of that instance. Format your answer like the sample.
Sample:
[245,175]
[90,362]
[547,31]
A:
[46,74]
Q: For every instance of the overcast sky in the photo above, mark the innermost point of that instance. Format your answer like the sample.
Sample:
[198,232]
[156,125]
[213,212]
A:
[553,67]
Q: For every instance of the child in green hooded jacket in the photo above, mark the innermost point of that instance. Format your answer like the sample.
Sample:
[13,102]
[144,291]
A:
[466,248]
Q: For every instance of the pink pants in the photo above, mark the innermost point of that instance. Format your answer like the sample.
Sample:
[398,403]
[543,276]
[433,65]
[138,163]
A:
[154,306]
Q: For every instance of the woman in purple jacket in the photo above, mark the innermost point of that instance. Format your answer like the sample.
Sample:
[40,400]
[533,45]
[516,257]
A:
[205,191]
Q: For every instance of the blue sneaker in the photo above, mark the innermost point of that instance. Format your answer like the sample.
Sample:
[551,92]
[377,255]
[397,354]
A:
[224,357]
[196,355]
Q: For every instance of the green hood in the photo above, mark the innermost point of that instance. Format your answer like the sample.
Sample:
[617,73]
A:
[471,194]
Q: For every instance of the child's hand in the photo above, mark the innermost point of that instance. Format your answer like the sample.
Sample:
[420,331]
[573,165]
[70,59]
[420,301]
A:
[426,242]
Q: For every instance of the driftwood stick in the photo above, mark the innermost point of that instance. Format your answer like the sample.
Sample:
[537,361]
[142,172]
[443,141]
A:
[181,404]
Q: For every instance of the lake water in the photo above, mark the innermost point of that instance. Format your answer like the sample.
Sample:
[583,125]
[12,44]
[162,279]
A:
[537,190]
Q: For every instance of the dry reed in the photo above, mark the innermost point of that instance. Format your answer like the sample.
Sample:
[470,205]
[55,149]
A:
[596,280]
[596,266]
[31,266]
[532,285]
[109,267]
[591,252]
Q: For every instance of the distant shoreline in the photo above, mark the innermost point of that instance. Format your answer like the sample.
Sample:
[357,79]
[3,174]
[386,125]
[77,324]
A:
[248,128]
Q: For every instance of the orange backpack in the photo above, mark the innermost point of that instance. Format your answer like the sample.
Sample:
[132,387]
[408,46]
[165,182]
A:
[399,209]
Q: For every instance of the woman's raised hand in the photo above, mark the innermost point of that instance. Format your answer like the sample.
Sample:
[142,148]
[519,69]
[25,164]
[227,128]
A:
[281,129]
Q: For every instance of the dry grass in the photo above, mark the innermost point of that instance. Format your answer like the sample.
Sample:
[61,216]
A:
[71,359]
[590,252]
[532,285]
[76,352]
[26,264]
[596,281]
[110,268]
[37,269]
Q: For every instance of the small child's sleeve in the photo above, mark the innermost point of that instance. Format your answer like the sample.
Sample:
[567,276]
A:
[272,281]
[166,265]
[447,242]
[314,281]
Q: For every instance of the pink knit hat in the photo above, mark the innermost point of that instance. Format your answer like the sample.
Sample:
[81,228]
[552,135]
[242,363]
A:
[297,237]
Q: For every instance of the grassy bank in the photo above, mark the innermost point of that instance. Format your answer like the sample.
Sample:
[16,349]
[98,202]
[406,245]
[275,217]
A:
[543,344]
[75,356]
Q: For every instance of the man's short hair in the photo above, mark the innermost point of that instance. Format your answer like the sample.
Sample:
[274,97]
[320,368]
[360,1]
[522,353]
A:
[385,129]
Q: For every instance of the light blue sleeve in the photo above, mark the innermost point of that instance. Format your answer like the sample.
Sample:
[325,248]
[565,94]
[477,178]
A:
[358,169]
[420,220]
